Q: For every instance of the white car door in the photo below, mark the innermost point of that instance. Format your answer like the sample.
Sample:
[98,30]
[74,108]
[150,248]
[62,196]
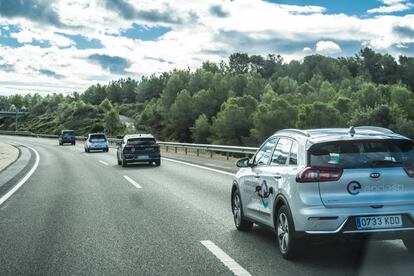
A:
[252,201]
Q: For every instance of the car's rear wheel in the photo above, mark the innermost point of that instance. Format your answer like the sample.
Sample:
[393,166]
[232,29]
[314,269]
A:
[157,163]
[124,163]
[409,243]
[236,205]
[73,143]
[288,244]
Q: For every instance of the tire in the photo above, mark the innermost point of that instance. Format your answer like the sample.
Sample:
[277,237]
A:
[236,207]
[60,143]
[73,143]
[124,163]
[86,150]
[409,243]
[285,231]
[106,150]
[157,163]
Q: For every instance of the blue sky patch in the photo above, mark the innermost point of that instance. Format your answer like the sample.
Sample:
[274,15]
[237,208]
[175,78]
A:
[349,7]
[82,42]
[137,31]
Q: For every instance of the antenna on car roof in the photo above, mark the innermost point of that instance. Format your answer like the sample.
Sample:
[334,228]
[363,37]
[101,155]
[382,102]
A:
[352,131]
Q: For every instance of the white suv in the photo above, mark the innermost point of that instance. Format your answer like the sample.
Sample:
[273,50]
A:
[356,182]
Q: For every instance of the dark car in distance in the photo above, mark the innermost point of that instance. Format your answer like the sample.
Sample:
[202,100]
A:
[67,137]
[138,148]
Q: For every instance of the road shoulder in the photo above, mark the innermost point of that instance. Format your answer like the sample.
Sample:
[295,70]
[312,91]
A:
[8,155]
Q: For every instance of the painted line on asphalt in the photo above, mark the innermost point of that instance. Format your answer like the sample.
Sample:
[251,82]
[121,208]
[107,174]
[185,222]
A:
[103,162]
[23,180]
[198,166]
[231,264]
[132,182]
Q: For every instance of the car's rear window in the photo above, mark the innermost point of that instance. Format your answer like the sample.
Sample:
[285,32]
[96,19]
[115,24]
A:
[362,154]
[97,138]
[141,141]
[68,133]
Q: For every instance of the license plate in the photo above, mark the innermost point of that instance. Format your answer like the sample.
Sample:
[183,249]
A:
[142,157]
[378,222]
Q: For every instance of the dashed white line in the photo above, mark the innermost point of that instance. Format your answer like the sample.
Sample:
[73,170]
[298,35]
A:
[103,162]
[132,182]
[198,166]
[23,180]
[234,267]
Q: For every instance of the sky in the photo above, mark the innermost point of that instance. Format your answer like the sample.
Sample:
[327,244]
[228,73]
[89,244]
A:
[67,45]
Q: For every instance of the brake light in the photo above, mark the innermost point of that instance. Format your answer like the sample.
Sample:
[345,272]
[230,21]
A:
[409,170]
[319,174]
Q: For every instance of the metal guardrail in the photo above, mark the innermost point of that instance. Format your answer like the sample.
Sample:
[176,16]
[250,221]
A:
[167,146]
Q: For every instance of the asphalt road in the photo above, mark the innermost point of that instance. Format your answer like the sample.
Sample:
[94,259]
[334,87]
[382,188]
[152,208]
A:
[79,215]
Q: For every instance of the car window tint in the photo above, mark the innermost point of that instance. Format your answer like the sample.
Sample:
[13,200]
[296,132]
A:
[264,153]
[293,157]
[97,138]
[141,141]
[362,154]
[281,152]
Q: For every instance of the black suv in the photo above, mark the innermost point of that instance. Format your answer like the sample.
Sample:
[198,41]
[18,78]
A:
[138,148]
[67,136]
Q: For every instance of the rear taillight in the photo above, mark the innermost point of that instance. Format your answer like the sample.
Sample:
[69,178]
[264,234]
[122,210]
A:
[128,147]
[319,174]
[409,170]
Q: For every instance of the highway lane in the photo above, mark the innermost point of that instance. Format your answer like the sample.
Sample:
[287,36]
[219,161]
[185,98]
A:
[79,215]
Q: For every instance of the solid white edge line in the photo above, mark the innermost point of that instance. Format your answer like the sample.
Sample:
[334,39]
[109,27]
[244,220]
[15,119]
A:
[198,166]
[228,261]
[103,162]
[132,182]
[23,180]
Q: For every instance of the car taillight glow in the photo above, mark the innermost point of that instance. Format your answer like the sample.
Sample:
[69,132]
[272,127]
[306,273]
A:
[319,174]
[409,170]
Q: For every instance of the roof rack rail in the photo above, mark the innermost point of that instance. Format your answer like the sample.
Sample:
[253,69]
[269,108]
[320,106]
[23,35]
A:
[293,130]
[374,128]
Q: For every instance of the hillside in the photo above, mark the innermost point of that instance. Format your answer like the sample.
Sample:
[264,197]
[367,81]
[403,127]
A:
[240,101]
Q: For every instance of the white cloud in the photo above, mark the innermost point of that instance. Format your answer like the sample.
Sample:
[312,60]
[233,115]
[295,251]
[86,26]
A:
[392,6]
[328,48]
[254,26]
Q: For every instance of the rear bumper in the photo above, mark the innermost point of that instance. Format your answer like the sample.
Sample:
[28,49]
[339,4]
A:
[141,157]
[341,223]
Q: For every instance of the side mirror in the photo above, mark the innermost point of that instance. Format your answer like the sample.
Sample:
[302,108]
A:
[243,163]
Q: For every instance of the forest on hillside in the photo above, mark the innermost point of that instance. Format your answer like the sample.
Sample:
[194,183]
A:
[240,101]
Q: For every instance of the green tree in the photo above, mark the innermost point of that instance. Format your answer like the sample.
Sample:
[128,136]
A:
[113,125]
[180,116]
[233,122]
[201,130]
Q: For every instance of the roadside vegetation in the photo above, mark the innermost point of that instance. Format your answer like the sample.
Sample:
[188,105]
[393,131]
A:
[240,101]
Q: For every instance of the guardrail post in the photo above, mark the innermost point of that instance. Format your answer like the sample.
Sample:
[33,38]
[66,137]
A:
[198,152]
[211,154]
[227,155]
[185,149]
[175,149]
[166,148]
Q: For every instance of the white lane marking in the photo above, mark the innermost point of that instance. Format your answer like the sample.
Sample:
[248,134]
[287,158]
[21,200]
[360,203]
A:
[237,269]
[132,182]
[23,180]
[103,162]
[198,166]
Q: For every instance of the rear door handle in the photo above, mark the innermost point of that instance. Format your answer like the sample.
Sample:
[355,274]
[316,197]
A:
[277,176]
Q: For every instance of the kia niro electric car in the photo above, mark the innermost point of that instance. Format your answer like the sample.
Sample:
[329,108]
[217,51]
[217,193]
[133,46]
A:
[96,141]
[346,183]
[138,148]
